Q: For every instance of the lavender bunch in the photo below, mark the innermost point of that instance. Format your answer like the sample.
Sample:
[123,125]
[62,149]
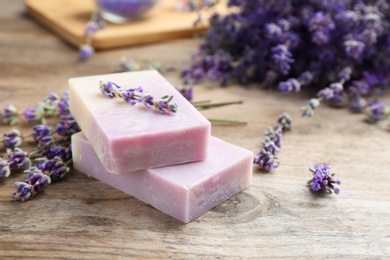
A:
[95,24]
[136,95]
[267,157]
[49,161]
[338,48]
[323,180]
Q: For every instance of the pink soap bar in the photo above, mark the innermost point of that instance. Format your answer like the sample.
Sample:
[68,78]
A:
[127,138]
[183,191]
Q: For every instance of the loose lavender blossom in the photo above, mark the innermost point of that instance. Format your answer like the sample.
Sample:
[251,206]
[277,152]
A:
[18,159]
[136,95]
[34,114]
[323,180]
[299,44]
[86,52]
[12,139]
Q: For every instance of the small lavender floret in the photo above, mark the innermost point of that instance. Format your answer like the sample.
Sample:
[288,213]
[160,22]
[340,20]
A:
[40,131]
[266,160]
[55,168]
[323,180]
[63,104]
[275,136]
[23,191]
[285,122]
[282,58]
[377,111]
[10,114]
[358,104]
[34,114]
[18,159]
[12,139]
[310,107]
[86,52]
[5,171]
[291,85]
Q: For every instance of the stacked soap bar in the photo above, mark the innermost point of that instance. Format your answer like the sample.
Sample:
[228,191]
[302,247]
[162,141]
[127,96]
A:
[122,145]
[183,191]
[129,138]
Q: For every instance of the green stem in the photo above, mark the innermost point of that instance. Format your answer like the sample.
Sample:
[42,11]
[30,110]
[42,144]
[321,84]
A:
[203,107]
[227,122]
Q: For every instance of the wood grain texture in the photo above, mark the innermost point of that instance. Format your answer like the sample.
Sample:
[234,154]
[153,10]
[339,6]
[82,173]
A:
[67,18]
[277,217]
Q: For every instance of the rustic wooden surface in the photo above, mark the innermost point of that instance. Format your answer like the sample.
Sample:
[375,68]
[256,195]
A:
[277,217]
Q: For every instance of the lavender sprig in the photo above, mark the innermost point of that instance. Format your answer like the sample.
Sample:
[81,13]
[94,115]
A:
[95,24]
[267,157]
[136,95]
[323,180]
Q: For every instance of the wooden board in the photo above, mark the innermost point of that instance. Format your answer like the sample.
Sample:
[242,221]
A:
[68,18]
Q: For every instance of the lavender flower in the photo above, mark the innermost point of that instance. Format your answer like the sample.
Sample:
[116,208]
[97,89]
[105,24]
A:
[310,107]
[285,122]
[12,139]
[266,160]
[34,114]
[323,180]
[23,191]
[377,111]
[9,115]
[136,95]
[40,131]
[55,168]
[86,52]
[17,159]
[282,58]
[5,171]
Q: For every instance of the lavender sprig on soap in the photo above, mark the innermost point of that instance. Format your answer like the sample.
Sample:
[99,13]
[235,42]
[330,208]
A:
[323,180]
[137,95]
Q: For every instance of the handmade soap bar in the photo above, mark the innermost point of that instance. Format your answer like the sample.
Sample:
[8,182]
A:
[183,191]
[127,138]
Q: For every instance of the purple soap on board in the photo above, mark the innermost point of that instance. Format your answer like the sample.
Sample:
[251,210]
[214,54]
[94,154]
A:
[183,191]
[128,138]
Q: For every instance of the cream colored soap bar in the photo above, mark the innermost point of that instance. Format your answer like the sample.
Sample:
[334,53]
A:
[183,191]
[127,138]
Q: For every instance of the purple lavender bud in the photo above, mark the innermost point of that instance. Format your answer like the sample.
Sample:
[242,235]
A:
[362,87]
[63,104]
[40,131]
[354,49]
[23,191]
[129,65]
[282,58]
[273,31]
[55,168]
[12,139]
[326,93]
[91,28]
[358,104]
[147,100]
[5,171]
[18,159]
[305,78]
[311,105]
[266,160]
[291,85]
[46,142]
[274,136]
[86,52]
[377,111]
[33,114]
[52,99]
[108,88]
[9,115]
[345,74]
[172,107]
[285,122]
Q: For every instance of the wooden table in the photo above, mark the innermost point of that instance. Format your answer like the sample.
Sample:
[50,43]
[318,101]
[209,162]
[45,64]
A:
[81,218]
